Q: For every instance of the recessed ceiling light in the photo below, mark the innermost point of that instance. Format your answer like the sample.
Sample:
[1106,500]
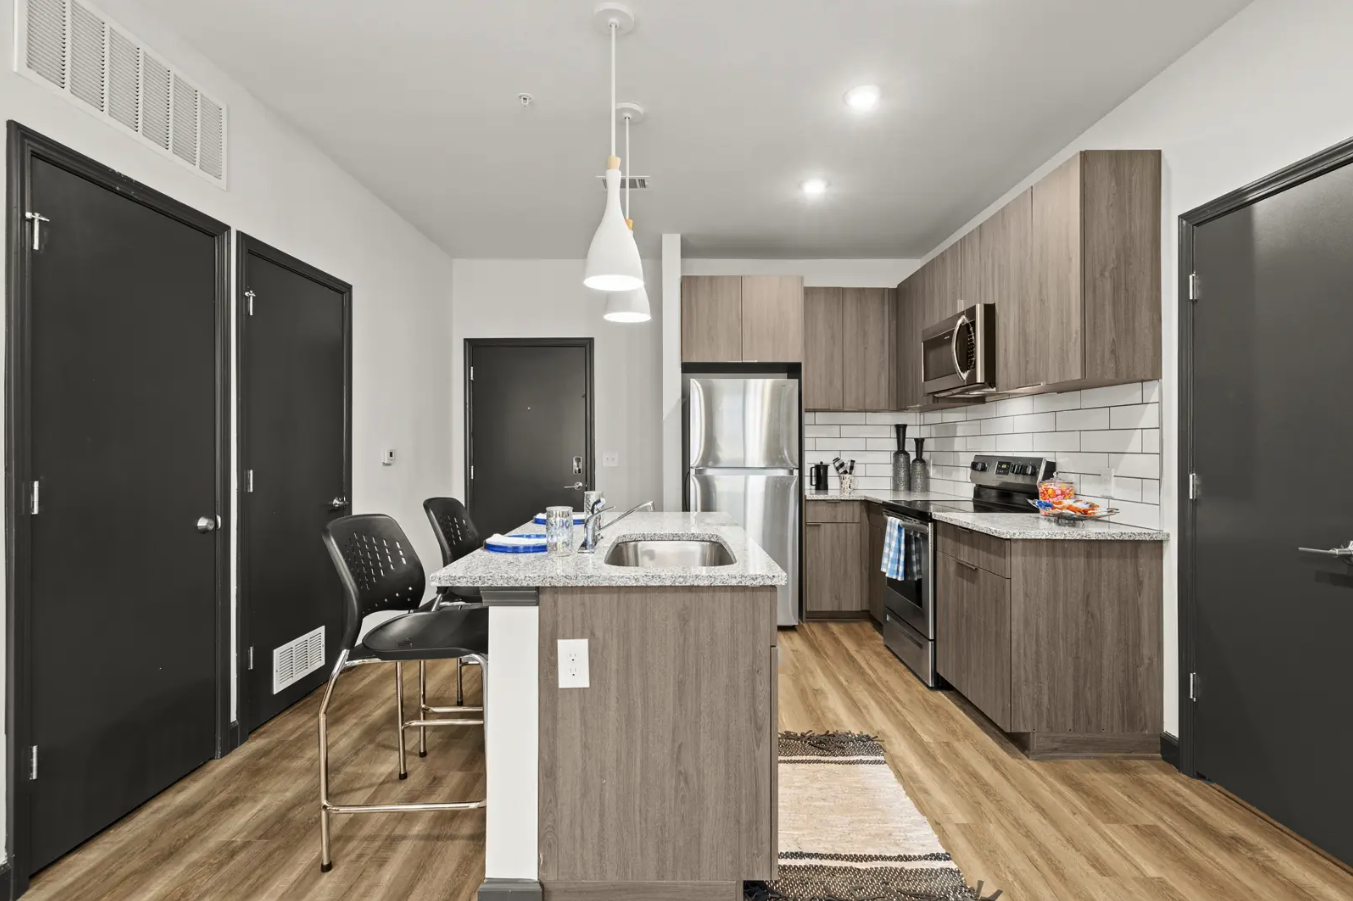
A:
[864,98]
[814,187]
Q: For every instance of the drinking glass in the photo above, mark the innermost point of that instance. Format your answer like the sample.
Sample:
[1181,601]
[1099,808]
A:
[559,531]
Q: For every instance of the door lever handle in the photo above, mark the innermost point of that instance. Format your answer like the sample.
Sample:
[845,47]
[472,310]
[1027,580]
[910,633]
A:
[339,502]
[1339,553]
[577,486]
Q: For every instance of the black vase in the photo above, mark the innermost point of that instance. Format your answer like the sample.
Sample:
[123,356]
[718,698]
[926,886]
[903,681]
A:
[920,469]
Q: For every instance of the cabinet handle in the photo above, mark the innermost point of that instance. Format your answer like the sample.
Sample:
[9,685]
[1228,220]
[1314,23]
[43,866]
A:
[966,564]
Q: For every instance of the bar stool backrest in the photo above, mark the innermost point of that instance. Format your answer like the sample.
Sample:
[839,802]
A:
[455,532]
[378,566]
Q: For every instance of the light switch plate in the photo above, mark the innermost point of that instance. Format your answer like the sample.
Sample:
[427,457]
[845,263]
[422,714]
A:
[573,669]
[610,459]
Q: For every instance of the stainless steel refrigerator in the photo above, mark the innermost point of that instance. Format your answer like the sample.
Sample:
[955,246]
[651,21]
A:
[742,458]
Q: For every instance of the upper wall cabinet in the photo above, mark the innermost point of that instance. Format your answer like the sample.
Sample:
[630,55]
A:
[1073,267]
[731,319]
[907,315]
[849,338]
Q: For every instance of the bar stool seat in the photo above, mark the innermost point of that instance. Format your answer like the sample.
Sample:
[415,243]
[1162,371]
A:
[441,634]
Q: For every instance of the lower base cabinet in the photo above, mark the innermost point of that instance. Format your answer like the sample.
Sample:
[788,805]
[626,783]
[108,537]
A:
[1058,642]
[875,579]
[834,576]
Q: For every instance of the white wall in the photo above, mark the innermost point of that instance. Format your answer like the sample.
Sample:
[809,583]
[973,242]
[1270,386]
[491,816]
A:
[1266,89]
[546,299]
[284,191]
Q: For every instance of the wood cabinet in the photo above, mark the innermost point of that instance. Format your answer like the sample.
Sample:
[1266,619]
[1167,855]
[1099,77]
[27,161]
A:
[867,381]
[1058,642]
[772,319]
[834,577]
[875,580]
[730,319]
[972,644]
[1073,267]
[907,347]
[823,349]
[711,318]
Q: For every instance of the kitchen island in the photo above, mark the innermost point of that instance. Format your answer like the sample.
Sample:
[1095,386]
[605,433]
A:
[657,779]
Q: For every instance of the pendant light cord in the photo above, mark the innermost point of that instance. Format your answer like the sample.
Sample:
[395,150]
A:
[615,26]
[624,173]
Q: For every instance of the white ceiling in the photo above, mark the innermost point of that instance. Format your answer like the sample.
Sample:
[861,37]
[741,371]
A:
[417,98]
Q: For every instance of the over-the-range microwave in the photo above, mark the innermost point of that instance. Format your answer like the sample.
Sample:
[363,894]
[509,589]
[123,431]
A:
[958,355]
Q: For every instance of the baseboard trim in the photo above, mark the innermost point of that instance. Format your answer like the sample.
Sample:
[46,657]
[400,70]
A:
[1076,745]
[643,891]
[515,889]
[1169,749]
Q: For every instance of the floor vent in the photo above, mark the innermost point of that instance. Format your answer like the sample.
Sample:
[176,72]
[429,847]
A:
[74,49]
[297,659]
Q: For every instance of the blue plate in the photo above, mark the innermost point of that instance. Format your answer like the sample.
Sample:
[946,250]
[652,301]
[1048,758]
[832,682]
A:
[578,519]
[536,547]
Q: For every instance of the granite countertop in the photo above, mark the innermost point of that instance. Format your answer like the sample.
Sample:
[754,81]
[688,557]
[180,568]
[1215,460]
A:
[1027,526]
[881,496]
[753,566]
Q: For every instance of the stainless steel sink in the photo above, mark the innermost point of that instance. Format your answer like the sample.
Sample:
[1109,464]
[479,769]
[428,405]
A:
[662,554]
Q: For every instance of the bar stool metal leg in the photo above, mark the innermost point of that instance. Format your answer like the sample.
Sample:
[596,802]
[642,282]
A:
[422,707]
[325,864]
[399,717]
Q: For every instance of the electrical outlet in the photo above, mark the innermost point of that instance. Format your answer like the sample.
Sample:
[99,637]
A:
[610,459]
[1106,476]
[573,669]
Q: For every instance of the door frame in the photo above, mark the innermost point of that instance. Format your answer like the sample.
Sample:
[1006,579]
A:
[24,146]
[1305,170]
[244,246]
[589,453]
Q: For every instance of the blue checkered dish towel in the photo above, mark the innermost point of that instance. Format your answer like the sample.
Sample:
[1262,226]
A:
[894,564]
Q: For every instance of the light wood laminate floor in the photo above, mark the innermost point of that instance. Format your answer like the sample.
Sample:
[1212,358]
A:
[244,827]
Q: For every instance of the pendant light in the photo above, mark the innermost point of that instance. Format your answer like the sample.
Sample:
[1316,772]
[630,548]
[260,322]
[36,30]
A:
[613,262]
[628,306]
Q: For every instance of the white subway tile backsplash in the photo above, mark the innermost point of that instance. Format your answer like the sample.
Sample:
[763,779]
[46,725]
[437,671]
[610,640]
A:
[1035,422]
[1082,420]
[1125,441]
[1057,442]
[1112,396]
[1015,406]
[1001,426]
[1137,466]
[1015,444]
[1137,416]
[1051,403]
[1085,432]
[908,418]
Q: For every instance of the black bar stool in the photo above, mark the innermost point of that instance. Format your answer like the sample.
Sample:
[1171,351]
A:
[380,572]
[456,536]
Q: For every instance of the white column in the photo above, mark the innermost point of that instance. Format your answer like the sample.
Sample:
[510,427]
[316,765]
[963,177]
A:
[671,372]
[512,744]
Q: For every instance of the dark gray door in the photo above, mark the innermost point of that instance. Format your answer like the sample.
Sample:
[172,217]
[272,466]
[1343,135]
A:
[124,444]
[1271,349]
[529,429]
[295,454]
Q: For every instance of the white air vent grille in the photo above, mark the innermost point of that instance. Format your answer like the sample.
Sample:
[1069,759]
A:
[297,659]
[634,182]
[72,47]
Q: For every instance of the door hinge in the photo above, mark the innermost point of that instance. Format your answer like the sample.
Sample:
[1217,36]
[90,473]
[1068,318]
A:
[1194,293]
[249,302]
[1193,686]
[472,473]
[1195,487]
[36,505]
[248,481]
[472,373]
[251,657]
[37,219]
[33,763]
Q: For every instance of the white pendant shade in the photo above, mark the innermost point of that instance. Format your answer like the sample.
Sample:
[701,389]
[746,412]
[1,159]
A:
[613,262]
[628,306]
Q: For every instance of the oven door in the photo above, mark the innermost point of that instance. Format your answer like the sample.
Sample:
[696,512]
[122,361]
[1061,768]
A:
[913,600]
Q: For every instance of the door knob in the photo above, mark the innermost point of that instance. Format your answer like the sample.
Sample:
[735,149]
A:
[577,486]
[339,502]
[206,524]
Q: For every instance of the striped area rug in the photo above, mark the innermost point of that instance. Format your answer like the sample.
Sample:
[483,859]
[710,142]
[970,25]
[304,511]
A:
[848,831]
